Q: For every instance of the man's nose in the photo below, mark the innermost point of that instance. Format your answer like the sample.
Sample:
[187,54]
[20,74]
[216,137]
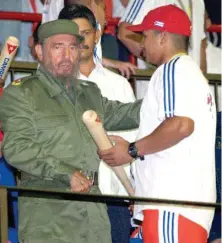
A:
[67,52]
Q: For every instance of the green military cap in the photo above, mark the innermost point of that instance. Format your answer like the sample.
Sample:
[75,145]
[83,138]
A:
[56,27]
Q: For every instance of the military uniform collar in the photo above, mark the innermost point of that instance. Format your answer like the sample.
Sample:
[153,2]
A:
[53,85]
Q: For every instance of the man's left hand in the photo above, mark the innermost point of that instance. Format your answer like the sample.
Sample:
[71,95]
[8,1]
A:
[125,68]
[118,154]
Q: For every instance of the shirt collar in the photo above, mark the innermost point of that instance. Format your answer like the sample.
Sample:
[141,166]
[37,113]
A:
[98,69]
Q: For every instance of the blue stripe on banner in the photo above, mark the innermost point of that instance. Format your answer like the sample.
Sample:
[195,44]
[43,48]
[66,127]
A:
[138,9]
[135,3]
[164,217]
[173,228]
[173,86]
[168,227]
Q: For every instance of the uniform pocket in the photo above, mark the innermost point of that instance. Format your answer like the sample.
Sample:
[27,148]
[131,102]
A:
[50,121]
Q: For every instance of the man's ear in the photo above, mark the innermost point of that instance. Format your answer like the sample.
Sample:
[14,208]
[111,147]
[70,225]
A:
[39,52]
[162,38]
[98,36]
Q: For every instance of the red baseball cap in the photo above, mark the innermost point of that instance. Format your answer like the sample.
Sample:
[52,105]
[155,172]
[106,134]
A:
[167,18]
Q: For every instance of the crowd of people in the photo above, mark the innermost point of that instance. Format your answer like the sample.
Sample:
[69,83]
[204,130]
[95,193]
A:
[158,133]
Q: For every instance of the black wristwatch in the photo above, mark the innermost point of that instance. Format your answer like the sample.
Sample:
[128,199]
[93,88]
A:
[133,151]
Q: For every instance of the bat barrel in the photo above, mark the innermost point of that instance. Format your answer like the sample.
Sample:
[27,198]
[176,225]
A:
[7,54]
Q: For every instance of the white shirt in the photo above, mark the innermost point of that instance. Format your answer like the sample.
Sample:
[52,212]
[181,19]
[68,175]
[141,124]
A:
[114,87]
[136,10]
[186,171]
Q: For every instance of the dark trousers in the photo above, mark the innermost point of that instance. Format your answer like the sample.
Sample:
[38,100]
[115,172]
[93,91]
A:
[119,216]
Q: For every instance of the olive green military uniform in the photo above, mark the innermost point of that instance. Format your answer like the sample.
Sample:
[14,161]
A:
[45,138]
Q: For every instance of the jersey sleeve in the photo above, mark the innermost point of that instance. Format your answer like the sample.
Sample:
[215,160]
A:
[136,10]
[176,94]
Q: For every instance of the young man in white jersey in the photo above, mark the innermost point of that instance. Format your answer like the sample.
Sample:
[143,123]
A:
[135,12]
[51,12]
[176,134]
[113,87]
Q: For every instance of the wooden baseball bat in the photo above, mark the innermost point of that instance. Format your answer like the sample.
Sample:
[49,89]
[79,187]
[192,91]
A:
[95,128]
[7,55]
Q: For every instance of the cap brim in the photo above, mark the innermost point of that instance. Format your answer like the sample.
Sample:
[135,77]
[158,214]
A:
[137,28]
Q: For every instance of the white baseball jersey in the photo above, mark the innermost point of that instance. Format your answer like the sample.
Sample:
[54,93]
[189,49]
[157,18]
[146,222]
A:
[114,87]
[136,11]
[186,171]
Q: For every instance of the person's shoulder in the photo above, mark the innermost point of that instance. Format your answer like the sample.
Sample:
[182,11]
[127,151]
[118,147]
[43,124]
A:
[88,85]
[183,69]
[117,78]
[21,85]
[18,92]
[89,88]
[23,81]
[184,64]
[180,62]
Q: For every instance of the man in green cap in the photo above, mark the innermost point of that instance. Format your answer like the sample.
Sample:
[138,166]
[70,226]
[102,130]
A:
[47,141]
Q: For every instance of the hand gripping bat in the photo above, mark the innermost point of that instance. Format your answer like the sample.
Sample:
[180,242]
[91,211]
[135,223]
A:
[95,128]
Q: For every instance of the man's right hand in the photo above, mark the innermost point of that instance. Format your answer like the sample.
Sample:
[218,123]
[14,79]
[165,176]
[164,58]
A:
[80,183]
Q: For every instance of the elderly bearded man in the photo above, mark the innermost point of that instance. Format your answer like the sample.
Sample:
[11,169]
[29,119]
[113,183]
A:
[47,141]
